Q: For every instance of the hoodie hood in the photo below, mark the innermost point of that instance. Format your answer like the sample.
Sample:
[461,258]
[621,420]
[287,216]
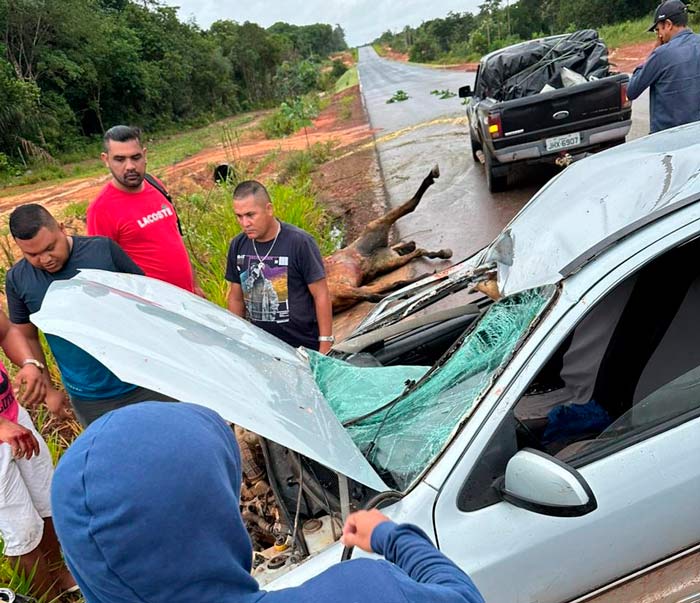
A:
[145,504]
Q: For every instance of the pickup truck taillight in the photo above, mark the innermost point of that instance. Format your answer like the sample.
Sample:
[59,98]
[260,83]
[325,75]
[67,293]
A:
[625,103]
[493,121]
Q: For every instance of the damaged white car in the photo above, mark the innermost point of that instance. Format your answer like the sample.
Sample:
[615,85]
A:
[547,441]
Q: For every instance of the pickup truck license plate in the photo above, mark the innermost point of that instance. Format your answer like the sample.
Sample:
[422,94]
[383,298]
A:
[563,142]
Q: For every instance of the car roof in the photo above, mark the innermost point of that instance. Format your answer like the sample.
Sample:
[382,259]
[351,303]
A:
[593,204]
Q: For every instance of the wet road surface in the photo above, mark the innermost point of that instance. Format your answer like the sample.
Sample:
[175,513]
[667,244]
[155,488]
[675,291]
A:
[457,212]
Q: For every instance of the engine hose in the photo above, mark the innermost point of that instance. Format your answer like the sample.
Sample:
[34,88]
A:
[373,503]
[314,489]
[274,484]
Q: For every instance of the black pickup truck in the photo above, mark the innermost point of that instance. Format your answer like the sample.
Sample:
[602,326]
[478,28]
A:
[552,100]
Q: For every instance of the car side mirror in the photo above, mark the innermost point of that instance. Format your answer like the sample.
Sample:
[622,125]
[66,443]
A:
[465,92]
[540,483]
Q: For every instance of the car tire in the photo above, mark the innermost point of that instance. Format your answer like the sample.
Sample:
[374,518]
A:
[496,179]
[476,146]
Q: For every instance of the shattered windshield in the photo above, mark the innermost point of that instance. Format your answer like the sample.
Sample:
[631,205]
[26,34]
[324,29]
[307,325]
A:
[401,425]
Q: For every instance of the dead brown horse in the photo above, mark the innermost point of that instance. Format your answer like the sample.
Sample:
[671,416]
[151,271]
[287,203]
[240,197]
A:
[368,256]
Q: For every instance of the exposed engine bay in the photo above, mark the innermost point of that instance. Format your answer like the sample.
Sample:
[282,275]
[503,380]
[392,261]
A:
[293,507]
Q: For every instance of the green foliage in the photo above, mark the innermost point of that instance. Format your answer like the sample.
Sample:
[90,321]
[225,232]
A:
[76,210]
[338,69]
[399,96]
[346,104]
[466,36]
[626,32]
[70,69]
[290,117]
[443,94]
[298,165]
[295,79]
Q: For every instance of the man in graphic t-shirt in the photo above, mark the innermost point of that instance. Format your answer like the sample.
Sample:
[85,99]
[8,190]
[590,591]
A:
[276,274]
[136,215]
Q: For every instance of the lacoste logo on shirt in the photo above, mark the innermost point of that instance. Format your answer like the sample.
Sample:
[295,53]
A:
[161,214]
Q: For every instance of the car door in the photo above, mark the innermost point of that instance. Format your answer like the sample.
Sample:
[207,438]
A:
[646,482]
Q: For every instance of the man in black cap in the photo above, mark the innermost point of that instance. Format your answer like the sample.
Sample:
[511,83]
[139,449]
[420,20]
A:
[672,71]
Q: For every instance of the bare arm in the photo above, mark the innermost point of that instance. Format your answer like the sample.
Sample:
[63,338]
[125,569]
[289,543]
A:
[30,384]
[31,335]
[55,399]
[235,302]
[324,312]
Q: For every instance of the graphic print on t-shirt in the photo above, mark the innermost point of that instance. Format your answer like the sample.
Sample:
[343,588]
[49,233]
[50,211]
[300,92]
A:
[264,285]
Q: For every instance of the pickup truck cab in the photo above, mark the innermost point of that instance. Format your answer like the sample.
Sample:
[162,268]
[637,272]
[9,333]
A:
[551,100]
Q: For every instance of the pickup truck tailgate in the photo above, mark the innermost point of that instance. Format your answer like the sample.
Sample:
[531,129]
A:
[593,103]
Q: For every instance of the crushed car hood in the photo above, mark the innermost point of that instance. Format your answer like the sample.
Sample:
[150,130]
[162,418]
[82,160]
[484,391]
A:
[593,204]
[161,337]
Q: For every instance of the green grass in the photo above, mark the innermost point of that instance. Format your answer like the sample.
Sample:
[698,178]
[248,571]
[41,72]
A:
[380,49]
[76,210]
[348,79]
[626,33]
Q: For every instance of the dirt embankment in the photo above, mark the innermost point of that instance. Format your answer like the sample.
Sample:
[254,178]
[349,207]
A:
[625,59]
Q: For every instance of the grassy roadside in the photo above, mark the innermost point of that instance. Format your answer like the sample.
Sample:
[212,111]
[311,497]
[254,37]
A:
[347,80]
[167,148]
[617,35]
[380,49]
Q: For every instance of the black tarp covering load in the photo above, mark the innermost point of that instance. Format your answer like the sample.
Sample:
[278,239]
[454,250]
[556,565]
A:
[524,69]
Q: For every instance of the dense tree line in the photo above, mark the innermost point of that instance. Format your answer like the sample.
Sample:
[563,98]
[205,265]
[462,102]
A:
[69,69]
[502,22]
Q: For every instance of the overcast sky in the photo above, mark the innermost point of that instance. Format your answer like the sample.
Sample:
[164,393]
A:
[362,20]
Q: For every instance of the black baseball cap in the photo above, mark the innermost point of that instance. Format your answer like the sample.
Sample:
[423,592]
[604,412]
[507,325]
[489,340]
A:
[668,10]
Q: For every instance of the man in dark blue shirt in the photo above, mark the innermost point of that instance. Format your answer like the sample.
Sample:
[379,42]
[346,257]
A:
[51,255]
[672,71]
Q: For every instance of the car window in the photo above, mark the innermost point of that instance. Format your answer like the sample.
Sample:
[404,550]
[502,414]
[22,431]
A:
[629,369]
[630,366]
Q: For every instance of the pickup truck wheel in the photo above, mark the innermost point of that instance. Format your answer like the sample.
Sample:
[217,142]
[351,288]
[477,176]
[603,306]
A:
[496,180]
[476,146]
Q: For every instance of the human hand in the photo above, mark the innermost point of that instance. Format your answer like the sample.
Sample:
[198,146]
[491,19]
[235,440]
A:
[56,403]
[30,385]
[659,41]
[324,347]
[21,439]
[199,291]
[359,527]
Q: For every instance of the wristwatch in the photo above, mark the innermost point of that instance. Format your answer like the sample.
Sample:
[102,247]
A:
[35,362]
[328,338]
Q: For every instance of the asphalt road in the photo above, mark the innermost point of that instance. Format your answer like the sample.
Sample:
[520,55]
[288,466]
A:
[458,212]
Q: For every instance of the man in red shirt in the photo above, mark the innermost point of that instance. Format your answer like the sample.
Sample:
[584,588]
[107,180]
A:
[136,215]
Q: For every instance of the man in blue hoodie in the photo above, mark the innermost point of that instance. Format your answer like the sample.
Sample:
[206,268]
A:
[145,506]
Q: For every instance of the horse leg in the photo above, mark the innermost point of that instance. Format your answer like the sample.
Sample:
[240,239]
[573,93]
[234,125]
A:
[376,233]
[404,247]
[388,261]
